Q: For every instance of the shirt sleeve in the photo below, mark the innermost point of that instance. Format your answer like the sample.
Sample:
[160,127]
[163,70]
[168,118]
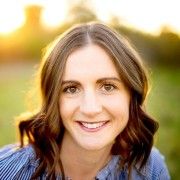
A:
[17,163]
[160,165]
[156,168]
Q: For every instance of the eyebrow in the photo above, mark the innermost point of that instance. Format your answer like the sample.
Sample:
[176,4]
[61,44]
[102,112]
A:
[98,81]
[109,79]
[70,82]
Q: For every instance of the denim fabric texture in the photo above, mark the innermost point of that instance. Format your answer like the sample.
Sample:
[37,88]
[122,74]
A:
[20,164]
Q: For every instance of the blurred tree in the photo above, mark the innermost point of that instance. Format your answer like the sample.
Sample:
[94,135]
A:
[28,41]
[33,18]
[80,12]
[168,47]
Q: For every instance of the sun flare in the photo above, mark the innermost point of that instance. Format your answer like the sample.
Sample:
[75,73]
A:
[145,16]
[11,17]
[53,14]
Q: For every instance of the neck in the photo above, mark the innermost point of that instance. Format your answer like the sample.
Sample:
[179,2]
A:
[79,163]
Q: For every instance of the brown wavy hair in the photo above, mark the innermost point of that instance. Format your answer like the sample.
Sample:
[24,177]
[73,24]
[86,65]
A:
[45,130]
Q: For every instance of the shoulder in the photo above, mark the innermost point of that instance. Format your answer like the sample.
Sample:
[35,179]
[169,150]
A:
[155,167]
[16,162]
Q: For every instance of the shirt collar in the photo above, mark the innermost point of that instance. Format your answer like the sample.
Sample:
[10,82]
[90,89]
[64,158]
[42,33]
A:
[111,167]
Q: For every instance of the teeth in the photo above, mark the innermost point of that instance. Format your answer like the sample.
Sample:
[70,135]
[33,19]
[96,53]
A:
[92,125]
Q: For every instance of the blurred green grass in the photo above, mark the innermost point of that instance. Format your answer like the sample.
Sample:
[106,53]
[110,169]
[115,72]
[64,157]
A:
[15,81]
[163,104]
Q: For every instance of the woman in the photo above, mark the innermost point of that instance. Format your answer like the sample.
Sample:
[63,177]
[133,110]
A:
[91,123]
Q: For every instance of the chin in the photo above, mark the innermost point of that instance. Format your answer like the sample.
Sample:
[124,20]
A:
[95,146]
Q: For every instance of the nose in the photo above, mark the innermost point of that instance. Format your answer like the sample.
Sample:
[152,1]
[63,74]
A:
[90,105]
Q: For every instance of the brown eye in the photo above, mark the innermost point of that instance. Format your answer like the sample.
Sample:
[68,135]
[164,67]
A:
[71,90]
[108,87]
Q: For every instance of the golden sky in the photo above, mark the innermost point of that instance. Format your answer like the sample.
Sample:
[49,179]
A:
[145,15]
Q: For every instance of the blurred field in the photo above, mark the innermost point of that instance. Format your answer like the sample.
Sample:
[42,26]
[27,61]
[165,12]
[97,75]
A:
[15,81]
[163,103]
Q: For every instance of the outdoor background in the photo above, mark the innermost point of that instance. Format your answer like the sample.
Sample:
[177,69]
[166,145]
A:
[25,32]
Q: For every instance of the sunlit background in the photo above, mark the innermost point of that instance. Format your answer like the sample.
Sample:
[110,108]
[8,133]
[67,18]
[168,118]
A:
[153,27]
[148,16]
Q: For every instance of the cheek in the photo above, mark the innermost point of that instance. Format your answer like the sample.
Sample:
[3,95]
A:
[67,107]
[118,106]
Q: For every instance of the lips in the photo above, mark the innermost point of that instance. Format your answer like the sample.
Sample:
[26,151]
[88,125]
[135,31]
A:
[92,126]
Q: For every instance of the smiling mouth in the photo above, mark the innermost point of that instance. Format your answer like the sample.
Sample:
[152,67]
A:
[92,126]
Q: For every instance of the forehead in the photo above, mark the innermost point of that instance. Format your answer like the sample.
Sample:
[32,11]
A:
[90,60]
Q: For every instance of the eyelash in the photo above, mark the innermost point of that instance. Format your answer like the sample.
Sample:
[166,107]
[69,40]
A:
[65,90]
[109,84]
[113,87]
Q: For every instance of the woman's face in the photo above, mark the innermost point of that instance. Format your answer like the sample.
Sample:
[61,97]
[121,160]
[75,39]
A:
[94,103]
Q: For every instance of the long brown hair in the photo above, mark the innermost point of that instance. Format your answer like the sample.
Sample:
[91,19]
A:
[45,129]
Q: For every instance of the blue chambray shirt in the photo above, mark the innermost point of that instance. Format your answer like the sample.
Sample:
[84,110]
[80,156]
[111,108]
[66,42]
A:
[20,164]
